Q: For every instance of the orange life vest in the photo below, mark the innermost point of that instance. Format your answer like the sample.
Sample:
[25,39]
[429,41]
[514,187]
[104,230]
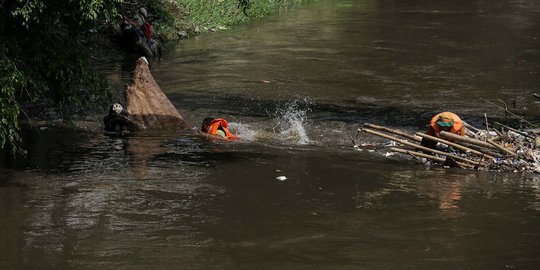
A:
[220,124]
[457,128]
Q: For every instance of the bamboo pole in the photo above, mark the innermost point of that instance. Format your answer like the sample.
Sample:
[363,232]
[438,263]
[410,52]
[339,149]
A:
[515,130]
[424,155]
[455,137]
[390,137]
[488,151]
[418,154]
[534,130]
[458,146]
[394,131]
[469,126]
[501,148]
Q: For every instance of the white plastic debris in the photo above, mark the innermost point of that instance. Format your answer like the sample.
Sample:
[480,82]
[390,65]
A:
[390,143]
[281,178]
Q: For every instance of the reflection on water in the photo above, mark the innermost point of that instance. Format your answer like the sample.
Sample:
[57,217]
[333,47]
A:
[295,87]
[171,201]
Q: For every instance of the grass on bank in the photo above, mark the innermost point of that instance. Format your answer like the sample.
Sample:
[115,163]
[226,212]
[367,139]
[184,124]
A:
[181,18]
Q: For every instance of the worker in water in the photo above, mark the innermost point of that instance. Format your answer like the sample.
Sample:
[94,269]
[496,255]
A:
[445,121]
[217,127]
[118,120]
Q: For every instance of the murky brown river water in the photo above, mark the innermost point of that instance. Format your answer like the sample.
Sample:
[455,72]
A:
[296,87]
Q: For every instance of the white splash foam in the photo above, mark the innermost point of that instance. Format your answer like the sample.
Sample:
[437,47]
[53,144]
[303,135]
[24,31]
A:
[291,122]
[245,132]
[289,126]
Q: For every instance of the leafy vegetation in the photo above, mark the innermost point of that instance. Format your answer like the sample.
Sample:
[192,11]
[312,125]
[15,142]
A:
[44,56]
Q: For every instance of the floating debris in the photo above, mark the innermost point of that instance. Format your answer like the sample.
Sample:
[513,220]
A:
[501,148]
[281,178]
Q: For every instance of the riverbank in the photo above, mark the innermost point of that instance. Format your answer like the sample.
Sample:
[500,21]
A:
[178,19]
[50,61]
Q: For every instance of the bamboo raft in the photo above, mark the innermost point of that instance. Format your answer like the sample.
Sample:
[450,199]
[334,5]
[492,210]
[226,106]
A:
[497,148]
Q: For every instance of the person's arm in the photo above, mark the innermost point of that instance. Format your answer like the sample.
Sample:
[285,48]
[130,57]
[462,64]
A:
[461,131]
[431,131]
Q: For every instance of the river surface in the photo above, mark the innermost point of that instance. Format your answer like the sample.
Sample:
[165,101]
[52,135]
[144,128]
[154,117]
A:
[295,87]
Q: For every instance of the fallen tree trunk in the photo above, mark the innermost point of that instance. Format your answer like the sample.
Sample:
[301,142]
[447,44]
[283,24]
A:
[147,105]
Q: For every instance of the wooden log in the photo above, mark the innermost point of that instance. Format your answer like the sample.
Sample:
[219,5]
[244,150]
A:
[501,148]
[405,142]
[451,136]
[455,145]
[428,156]
[394,131]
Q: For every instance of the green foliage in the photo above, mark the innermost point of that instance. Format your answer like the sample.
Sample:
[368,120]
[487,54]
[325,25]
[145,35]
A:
[260,8]
[200,16]
[211,14]
[44,55]
[10,80]
[169,18]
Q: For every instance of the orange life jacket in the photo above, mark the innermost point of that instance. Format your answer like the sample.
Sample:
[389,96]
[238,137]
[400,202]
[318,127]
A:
[220,124]
[457,128]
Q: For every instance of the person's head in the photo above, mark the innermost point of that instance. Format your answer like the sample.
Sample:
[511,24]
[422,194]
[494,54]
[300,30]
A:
[445,121]
[143,12]
[116,108]
[206,122]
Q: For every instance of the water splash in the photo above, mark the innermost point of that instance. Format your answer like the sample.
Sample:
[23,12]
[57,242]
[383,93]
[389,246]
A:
[246,132]
[291,121]
[287,124]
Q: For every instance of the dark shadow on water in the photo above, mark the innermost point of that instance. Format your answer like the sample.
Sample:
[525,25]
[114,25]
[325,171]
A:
[350,111]
[60,150]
